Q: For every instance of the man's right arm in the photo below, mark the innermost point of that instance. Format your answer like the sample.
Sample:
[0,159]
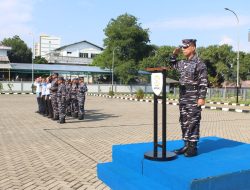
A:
[173,58]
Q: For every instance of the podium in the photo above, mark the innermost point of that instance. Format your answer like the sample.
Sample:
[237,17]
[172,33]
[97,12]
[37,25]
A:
[158,81]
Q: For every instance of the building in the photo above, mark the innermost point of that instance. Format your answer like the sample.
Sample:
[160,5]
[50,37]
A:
[71,61]
[4,62]
[37,49]
[46,45]
[3,54]
[79,53]
[25,70]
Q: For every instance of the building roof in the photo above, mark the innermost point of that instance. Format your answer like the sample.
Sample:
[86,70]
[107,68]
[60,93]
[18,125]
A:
[4,47]
[60,48]
[4,59]
[5,66]
[54,67]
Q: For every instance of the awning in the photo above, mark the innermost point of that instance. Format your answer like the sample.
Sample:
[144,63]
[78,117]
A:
[53,68]
[5,66]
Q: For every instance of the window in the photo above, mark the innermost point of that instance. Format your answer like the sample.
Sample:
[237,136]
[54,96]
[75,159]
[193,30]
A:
[80,54]
[85,55]
[93,55]
[68,52]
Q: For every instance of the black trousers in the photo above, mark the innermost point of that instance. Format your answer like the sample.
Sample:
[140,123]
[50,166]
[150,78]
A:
[49,109]
[43,105]
[39,102]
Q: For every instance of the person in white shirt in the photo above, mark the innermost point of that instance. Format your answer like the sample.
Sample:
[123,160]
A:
[37,84]
[43,87]
[49,109]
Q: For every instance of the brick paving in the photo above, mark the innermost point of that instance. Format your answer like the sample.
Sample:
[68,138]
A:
[38,153]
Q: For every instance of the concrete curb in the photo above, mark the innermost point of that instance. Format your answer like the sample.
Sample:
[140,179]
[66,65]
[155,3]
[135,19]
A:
[16,93]
[171,103]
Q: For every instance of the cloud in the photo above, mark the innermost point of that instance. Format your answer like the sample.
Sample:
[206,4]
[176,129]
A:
[197,23]
[15,17]
[226,40]
[86,4]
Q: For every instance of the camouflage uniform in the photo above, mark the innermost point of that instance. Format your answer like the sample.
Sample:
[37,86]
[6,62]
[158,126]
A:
[193,86]
[74,101]
[82,89]
[53,89]
[68,98]
[61,99]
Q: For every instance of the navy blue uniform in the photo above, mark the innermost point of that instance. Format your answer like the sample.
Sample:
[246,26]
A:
[193,86]
[61,99]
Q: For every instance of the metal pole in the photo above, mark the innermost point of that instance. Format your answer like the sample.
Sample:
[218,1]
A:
[32,59]
[155,125]
[164,115]
[238,55]
[113,60]
[113,69]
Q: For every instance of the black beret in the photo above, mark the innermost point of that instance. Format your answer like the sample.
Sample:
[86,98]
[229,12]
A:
[188,42]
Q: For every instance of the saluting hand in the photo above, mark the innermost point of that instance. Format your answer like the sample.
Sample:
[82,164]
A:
[177,51]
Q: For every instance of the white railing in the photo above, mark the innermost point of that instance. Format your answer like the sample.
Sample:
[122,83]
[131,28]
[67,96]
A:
[222,93]
[23,86]
[69,60]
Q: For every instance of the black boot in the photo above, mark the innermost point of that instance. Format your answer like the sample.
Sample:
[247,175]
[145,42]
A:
[56,118]
[75,115]
[183,149]
[61,120]
[192,150]
[81,117]
[50,116]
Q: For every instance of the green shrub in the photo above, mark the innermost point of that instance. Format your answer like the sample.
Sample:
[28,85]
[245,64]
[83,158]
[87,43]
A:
[33,88]
[111,93]
[1,86]
[139,94]
[10,86]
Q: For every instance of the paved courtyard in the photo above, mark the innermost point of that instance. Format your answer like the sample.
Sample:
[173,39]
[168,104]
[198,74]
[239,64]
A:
[38,153]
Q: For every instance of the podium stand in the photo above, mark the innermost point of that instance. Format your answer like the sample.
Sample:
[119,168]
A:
[162,155]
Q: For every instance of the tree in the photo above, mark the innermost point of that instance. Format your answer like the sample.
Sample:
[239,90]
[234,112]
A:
[40,60]
[244,71]
[20,53]
[129,42]
[220,63]
[160,57]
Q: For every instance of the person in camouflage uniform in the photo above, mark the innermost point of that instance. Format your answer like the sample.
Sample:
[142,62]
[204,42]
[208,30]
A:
[53,90]
[68,99]
[193,88]
[82,89]
[61,99]
[73,97]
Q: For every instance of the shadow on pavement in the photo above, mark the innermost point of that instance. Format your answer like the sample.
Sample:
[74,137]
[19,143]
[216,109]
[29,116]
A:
[91,115]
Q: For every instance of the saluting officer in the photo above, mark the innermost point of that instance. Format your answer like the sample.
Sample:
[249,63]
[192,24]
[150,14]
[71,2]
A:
[193,89]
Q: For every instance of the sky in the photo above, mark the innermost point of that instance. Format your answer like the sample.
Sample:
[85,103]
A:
[168,21]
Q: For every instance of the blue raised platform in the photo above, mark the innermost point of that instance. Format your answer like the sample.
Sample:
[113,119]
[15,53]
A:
[222,164]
